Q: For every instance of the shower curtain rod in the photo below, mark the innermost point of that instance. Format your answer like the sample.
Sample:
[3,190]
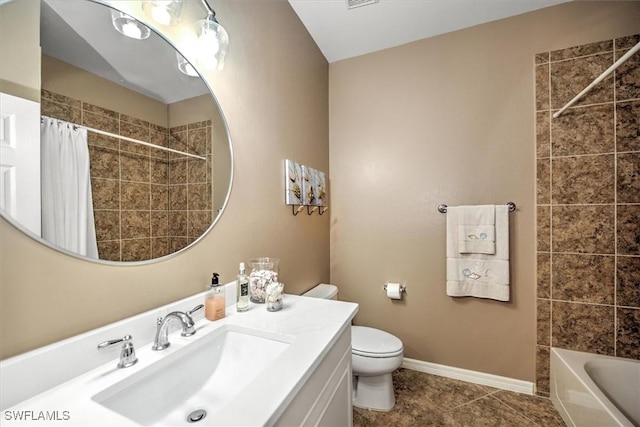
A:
[602,76]
[136,141]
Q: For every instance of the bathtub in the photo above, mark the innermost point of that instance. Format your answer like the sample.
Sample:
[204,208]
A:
[595,390]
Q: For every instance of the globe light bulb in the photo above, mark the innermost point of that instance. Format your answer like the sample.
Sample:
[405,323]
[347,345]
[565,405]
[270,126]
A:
[212,43]
[129,26]
[164,12]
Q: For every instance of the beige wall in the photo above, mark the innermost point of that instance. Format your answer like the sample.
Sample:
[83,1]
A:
[274,94]
[450,119]
[19,40]
[63,78]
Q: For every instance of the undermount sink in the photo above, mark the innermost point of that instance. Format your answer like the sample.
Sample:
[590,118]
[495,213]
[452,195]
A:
[194,381]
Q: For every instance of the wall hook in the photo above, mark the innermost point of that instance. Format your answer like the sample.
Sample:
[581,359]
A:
[312,210]
[296,211]
[322,209]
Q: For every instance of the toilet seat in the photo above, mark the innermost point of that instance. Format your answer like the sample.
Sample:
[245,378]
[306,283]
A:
[371,342]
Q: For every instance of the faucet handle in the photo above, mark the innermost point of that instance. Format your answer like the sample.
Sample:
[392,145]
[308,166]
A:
[106,344]
[188,328]
[128,352]
[194,309]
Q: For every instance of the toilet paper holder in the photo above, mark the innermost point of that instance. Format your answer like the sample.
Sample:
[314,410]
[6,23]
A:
[403,288]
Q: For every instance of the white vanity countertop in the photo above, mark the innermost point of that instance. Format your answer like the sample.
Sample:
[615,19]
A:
[310,325]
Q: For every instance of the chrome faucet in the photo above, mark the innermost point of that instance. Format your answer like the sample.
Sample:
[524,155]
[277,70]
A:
[162,333]
[127,354]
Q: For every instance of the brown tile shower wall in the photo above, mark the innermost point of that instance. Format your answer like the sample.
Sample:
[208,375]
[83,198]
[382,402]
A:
[588,204]
[147,202]
[190,190]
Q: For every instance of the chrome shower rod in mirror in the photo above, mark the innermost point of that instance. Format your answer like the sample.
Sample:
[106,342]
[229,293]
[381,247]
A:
[135,141]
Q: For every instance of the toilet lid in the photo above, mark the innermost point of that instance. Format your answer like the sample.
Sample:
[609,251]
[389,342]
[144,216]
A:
[371,342]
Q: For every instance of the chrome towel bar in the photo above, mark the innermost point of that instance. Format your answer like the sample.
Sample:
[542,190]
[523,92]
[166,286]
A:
[443,208]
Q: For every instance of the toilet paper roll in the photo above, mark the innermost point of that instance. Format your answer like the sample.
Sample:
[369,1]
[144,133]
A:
[393,290]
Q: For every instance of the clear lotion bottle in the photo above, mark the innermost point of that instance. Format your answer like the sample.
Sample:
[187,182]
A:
[214,304]
[242,291]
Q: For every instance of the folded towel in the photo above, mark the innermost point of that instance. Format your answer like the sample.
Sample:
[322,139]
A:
[478,271]
[478,274]
[478,278]
[480,214]
[476,229]
[477,239]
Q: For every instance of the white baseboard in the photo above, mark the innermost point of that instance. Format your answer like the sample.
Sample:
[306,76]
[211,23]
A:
[475,377]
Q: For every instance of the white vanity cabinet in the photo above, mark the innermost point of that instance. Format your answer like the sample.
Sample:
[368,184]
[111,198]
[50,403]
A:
[325,398]
[307,383]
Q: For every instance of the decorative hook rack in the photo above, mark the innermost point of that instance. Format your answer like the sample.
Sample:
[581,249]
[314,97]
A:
[296,209]
[442,208]
[305,186]
[320,209]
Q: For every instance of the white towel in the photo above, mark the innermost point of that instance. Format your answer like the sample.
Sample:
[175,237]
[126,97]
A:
[474,274]
[477,239]
[476,229]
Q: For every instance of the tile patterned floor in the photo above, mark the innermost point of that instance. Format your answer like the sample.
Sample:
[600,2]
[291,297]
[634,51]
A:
[429,400]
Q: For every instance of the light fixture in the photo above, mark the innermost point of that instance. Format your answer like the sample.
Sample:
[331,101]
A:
[129,26]
[185,66]
[213,41]
[351,4]
[164,12]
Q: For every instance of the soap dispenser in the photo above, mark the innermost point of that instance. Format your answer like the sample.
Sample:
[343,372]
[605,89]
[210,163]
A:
[214,306]
[242,290]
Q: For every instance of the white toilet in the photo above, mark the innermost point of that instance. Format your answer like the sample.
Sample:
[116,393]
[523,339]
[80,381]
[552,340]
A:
[374,354]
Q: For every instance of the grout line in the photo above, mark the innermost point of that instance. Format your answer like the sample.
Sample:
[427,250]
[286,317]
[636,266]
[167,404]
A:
[615,209]
[550,326]
[119,193]
[468,402]
[602,52]
[599,304]
[572,156]
[579,106]
[594,204]
[586,253]
[522,413]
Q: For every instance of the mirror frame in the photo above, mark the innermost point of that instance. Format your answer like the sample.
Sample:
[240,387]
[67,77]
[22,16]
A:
[39,239]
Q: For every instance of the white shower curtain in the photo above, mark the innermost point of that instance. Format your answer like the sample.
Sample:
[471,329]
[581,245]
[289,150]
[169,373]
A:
[67,205]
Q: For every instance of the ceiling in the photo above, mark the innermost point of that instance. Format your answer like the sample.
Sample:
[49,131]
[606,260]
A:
[342,33]
[81,33]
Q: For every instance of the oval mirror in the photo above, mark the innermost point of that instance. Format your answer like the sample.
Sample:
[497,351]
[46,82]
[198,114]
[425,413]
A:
[118,156]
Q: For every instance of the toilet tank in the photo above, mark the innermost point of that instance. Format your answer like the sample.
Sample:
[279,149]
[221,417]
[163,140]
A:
[323,290]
